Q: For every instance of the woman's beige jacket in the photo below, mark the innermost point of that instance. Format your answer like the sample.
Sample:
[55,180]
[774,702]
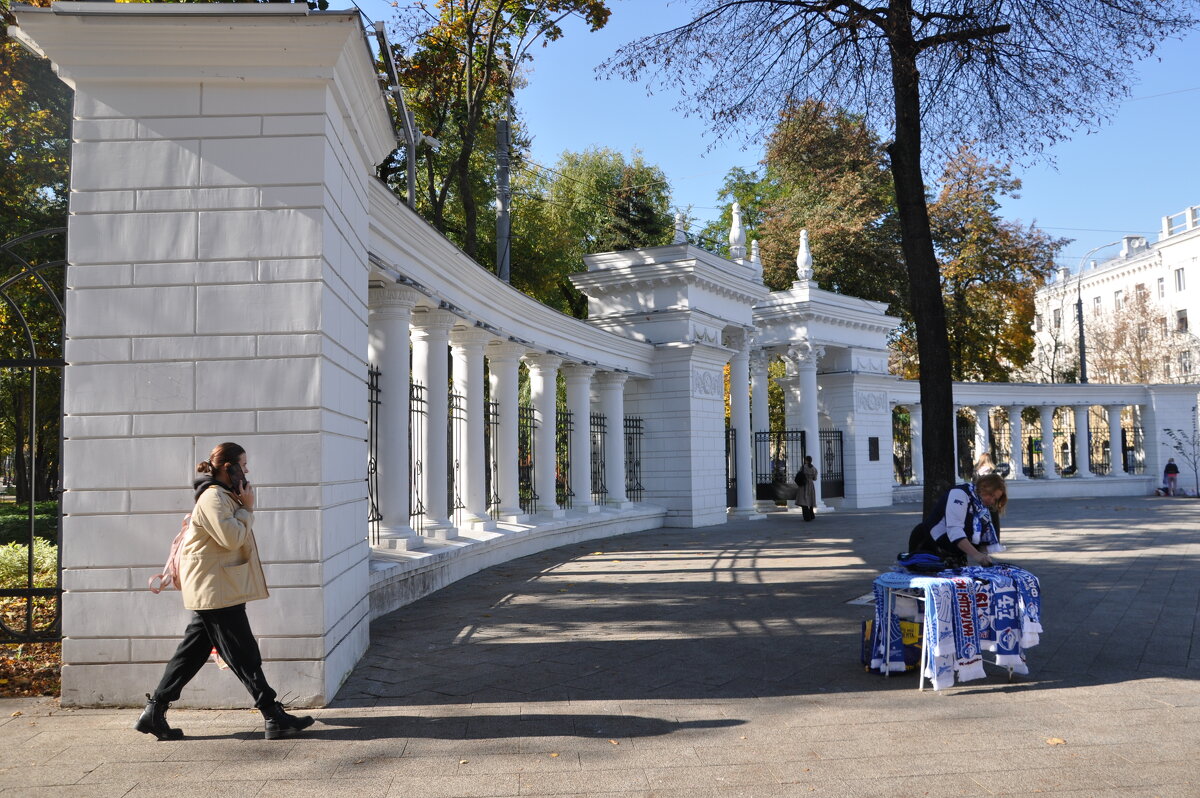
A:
[218,561]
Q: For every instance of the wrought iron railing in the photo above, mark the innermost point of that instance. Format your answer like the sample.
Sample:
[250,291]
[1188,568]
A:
[599,434]
[831,468]
[634,431]
[373,402]
[456,441]
[491,433]
[526,453]
[417,413]
[563,427]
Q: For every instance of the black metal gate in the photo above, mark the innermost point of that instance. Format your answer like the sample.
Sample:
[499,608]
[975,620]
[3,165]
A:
[31,363]
[731,474]
[833,473]
[373,402]
[777,457]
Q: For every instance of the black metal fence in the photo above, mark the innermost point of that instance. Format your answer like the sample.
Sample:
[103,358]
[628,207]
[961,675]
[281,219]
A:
[373,403]
[32,277]
[526,451]
[778,456]
[731,475]
[417,413]
[563,427]
[902,464]
[491,432]
[456,441]
[832,469]
[599,434]
[634,430]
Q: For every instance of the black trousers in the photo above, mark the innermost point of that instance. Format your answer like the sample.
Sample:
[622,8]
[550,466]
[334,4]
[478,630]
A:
[228,631]
[809,513]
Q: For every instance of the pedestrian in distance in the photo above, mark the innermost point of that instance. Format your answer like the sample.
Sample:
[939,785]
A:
[806,488]
[985,465]
[1171,477]
[219,571]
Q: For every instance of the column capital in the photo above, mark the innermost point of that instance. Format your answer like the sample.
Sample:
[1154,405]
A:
[542,361]
[469,337]
[577,372]
[505,351]
[1115,408]
[433,320]
[392,297]
[612,379]
[804,354]
[760,360]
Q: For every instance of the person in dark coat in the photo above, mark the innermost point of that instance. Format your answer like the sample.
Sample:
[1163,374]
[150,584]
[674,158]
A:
[806,488]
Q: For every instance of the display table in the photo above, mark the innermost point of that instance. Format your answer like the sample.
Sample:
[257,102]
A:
[967,611]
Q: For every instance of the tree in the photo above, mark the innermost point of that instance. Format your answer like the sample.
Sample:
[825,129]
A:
[1187,446]
[458,65]
[991,270]
[593,201]
[1013,75]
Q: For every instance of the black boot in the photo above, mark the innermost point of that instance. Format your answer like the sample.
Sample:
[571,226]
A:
[278,723]
[154,721]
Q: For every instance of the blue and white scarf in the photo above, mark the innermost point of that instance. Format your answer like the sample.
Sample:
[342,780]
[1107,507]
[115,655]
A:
[983,531]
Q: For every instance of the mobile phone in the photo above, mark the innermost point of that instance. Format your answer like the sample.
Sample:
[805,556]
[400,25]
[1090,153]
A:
[237,477]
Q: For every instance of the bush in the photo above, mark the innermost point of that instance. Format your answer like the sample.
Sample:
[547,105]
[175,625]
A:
[14,565]
[14,522]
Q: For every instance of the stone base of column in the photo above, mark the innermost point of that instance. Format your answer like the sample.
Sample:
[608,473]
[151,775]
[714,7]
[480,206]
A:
[439,530]
[403,539]
[745,514]
[557,512]
[625,505]
[479,523]
[586,508]
[764,506]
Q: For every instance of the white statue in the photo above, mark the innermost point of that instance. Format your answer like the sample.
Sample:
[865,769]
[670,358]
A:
[804,260]
[680,229]
[737,236]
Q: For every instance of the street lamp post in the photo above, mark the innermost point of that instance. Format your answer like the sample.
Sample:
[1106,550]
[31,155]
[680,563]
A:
[1083,378]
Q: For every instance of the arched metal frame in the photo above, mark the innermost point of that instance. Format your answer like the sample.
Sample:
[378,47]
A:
[33,598]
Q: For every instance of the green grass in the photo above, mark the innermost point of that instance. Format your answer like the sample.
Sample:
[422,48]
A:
[14,522]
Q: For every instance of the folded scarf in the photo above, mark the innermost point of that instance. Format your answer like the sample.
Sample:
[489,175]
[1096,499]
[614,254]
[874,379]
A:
[968,659]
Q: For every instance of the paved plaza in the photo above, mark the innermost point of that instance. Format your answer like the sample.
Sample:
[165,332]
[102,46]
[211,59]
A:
[713,662]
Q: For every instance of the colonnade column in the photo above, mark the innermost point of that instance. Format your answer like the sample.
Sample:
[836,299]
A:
[388,320]
[739,419]
[612,405]
[954,440]
[1016,455]
[805,356]
[1048,459]
[982,413]
[543,391]
[430,355]
[1083,446]
[504,363]
[579,397]
[916,445]
[1115,455]
[466,348]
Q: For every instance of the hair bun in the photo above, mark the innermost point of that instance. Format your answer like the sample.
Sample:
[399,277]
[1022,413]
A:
[204,467]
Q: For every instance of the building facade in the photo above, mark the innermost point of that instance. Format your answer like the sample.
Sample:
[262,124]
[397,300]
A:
[1139,311]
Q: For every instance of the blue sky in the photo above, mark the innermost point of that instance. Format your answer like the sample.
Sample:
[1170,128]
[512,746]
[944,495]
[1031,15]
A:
[1118,180]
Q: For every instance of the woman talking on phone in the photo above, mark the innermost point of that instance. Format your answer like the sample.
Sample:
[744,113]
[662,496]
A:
[219,571]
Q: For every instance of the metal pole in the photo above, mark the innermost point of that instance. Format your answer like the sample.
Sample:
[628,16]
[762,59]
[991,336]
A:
[502,200]
[1083,378]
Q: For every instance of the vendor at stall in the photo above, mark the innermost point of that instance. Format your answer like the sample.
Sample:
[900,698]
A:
[964,526]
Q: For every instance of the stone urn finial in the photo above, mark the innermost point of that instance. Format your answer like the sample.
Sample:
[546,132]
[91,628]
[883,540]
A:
[737,236]
[680,229]
[804,260]
[756,260]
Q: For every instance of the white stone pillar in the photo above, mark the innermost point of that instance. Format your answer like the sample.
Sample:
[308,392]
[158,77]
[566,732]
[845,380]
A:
[1047,432]
[430,355]
[579,395]
[739,418]
[1016,456]
[504,363]
[543,390]
[1116,459]
[954,439]
[981,430]
[760,413]
[466,351]
[612,405]
[1083,447]
[390,313]
[805,356]
[918,450]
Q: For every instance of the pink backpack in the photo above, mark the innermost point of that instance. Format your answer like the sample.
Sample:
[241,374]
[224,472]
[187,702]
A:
[169,578]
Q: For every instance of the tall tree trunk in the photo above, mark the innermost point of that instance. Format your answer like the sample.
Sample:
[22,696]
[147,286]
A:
[924,277]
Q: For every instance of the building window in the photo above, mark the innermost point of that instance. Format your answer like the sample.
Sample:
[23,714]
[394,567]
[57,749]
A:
[1057,318]
[1181,321]
[1142,331]
[1037,322]
[1117,297]
[1162,287]
[1180,284]
[1096,305]
[1185,363]
[1167,367]
[1139,292]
